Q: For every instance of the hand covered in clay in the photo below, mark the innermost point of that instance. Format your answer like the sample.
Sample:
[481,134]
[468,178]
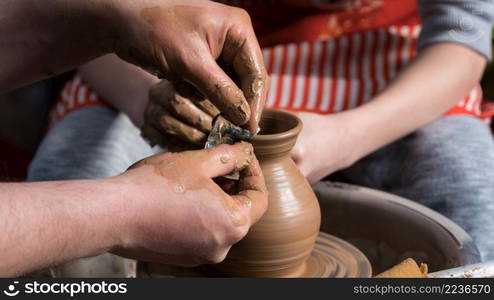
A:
[177,214]
[322,147]
[177,120]
[201,47]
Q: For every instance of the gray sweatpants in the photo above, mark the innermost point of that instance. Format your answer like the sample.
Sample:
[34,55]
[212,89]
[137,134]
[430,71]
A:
[448,165]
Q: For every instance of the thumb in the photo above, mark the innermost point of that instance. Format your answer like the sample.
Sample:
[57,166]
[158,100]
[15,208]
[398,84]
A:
[224,159]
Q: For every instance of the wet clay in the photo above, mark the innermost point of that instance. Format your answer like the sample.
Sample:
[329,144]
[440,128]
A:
[331,257]
[283,242]
[176,128]
[221,90]
[208,107]
[406,269]
[187,111]
[175,116]
[279,244]
[225,132]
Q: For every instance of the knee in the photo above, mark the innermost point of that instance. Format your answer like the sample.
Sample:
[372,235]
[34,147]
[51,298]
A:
[93,142]
[450,163]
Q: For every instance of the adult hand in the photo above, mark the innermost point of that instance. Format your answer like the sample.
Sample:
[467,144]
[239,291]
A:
[322,147]
[176,214]
[177,120]
[198,45]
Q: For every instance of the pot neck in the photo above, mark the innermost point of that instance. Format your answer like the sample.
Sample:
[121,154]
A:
[279,131]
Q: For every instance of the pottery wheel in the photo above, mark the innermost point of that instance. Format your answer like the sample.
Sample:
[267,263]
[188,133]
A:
[334,257]
[331,257]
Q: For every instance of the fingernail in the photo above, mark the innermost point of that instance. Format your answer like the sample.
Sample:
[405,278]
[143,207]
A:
[248,148]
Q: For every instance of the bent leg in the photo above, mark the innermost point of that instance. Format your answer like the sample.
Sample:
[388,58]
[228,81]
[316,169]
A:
[447,166]
[92,142]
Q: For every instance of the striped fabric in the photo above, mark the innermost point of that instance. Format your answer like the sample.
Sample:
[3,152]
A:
[334,75]
[324,75]
[74,95]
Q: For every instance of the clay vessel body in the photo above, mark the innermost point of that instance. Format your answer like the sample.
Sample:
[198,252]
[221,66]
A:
[279,244]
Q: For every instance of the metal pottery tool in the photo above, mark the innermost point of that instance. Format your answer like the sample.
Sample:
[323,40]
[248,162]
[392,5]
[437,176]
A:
[225,132]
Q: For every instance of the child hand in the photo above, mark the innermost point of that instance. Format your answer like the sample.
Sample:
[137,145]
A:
[322,147]
[177,118]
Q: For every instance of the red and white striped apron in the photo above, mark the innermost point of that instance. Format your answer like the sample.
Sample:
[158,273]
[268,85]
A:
[317,66]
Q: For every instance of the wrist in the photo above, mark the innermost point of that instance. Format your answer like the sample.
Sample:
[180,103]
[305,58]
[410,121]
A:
[348,138]
[61,221]
[136,108]
[373,126]
[128,201]
[97,213]
[118,213]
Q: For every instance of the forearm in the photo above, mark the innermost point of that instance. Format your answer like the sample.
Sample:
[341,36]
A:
[43,38]
[46,223]
[440,77]
[123,85]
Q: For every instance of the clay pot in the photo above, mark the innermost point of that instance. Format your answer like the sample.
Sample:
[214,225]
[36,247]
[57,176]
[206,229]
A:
[279,244]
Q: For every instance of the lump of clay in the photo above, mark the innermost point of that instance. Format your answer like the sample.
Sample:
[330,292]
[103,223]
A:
[406,269]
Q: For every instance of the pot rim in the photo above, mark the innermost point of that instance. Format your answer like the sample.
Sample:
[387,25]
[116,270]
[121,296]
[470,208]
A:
[280,115]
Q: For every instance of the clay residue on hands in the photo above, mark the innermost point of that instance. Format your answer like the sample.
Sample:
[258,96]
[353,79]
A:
[179,131]
[184,109]
[176,128]
[238,93]
[231,101]
[246,157]
[177,166]
[248,192]
[406,269]
[246,60]
[208,107]
[253,79]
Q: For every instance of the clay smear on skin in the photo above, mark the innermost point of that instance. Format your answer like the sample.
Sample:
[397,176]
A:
[184,108]
[252,71]
[237,107]
[181,130]
[247,62]
[174,172]
[232,208]
[169,170]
